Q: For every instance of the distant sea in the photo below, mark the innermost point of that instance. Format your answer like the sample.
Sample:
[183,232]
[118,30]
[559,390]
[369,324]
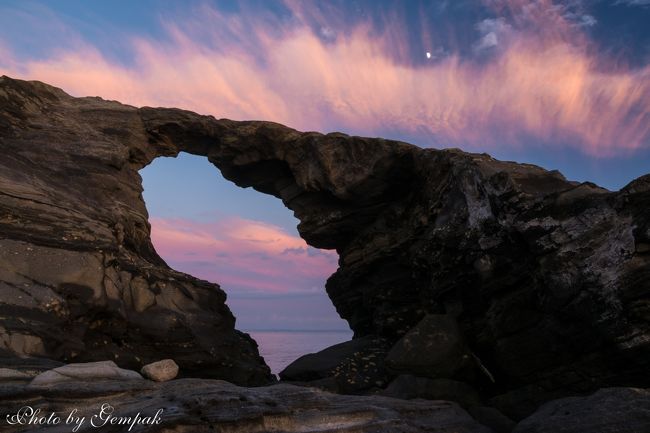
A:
[281,348]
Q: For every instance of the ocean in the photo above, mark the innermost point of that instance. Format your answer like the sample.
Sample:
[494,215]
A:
[281,348]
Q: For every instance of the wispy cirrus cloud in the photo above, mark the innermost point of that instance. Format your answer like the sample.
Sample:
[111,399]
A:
[634,2]
[542,81]
[244,256]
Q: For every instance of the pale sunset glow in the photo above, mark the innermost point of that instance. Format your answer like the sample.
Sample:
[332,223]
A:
[243,255]
[541,78]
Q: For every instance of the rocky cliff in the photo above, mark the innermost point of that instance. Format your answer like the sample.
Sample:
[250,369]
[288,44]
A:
[542,285]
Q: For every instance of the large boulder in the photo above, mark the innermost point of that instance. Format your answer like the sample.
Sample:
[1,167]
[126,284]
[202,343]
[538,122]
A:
[348,367]
[609,410]
[160,371]
[409,387]
[492,418]
[434,348]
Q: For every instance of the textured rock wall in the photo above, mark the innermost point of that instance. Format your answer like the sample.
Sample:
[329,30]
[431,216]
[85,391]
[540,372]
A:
[79,278]
[548,279]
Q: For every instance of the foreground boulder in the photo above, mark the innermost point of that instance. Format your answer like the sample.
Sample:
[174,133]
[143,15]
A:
[101,370]
[161,371]
[409,387]
[610,410]
[433,348]
[548,279]
[351,367]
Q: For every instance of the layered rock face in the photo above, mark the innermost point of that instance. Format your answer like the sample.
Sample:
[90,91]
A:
[79,278]
[546,280]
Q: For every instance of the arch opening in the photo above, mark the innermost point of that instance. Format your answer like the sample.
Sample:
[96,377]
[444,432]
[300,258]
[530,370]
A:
[247,242]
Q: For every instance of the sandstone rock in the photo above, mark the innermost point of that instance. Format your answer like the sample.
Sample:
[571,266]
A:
[75,241]
[11,374]
[200,405]
[29,366]
[409,387]
[548,279]
[21,342]
[434,348]
[102,370]
[609,410]
[161,371]
[141,296]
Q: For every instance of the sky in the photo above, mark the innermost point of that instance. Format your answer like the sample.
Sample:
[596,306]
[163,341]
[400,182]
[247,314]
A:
[561,84]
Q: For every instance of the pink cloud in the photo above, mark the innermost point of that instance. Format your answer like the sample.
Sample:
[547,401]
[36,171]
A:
[244,255]
[542,80]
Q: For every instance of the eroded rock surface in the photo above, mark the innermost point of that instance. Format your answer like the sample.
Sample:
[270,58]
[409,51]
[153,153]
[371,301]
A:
[433,348]
[79,278]
[548,279]
[197,405]
[610,410]
[100,370]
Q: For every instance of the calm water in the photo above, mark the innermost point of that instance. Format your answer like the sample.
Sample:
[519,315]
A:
[280,348]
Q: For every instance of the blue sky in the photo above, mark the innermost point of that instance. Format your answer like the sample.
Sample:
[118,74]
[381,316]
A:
[562,84]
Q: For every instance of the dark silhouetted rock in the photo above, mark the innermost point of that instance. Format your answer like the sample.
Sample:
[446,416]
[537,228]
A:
[492,418]
[319,365]
[434,348]
[609,410]
[348,367]
[410,387]
[30,367]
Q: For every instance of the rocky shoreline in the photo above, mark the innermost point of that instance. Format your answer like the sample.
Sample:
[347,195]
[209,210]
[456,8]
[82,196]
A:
[87,397]
[501,286]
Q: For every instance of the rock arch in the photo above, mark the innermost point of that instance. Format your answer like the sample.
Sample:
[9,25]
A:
[73,201]
[546,278]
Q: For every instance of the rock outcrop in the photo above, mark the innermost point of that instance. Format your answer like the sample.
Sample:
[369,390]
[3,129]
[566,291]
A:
[610,410]
[351,367]
[100,370]
[200,405]
[79,277]
[548,280]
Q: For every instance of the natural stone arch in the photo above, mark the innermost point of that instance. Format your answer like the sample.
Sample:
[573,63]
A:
[132,306]
[518,255]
